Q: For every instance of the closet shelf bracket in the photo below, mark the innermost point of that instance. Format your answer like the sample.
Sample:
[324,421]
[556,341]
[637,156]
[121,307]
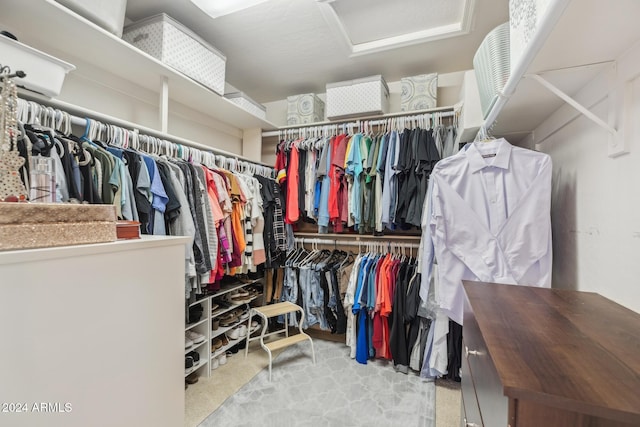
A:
[618,143]
[569,100]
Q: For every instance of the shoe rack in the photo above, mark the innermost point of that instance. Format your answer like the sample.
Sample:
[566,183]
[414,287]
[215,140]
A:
[223,324]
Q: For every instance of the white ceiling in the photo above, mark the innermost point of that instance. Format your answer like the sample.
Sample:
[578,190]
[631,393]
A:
[286,47]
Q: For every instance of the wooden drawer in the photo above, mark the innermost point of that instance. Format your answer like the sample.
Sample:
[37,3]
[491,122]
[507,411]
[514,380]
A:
[494,405]
[470,408]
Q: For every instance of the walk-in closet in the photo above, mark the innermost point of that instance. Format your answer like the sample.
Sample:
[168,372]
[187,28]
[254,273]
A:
[336,213]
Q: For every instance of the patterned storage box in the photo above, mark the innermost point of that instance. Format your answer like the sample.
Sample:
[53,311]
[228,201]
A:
[172,43]
[369,95]
[246,103]
[524,21]
[304,109]
[419,92]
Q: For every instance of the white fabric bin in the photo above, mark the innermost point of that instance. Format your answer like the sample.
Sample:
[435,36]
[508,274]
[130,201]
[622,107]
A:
[492,66]
[419,92]
[108,14]
[45,73]
[248,104]
[174,44]
[365,96]
[304,109]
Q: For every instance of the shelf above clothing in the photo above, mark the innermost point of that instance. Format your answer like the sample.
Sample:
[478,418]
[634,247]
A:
[446,111]
[49,26]
[574,43]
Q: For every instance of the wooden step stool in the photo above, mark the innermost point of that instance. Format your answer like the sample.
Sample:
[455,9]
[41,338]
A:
[274,310]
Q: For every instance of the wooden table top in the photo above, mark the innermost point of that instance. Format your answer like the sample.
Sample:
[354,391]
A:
[567,349]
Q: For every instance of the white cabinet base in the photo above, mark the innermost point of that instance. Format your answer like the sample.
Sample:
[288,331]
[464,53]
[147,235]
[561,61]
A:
[94,333]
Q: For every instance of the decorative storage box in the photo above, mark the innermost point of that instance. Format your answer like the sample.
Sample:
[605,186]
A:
[109,14]
[369,95]
[246,103]
[492,66]
[169,41]
[419,92]
[305,108]
[45,74]
[524,17]
[39,225]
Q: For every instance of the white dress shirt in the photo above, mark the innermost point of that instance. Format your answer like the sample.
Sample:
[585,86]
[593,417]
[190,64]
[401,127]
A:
[487,218]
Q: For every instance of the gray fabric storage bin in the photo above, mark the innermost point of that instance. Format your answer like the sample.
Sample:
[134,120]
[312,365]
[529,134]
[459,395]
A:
[365,96]
[174,44]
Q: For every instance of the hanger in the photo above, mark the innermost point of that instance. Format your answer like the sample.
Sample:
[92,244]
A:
[483,135]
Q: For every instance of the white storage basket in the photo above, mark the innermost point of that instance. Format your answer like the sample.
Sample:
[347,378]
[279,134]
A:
[45,73]
[172,43]
[304,109]
[248,104]
[492,66]
[351,98]
[108,14]
[419,92]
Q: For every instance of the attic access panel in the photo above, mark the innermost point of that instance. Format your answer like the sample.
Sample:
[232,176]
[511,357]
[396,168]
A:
[374,25]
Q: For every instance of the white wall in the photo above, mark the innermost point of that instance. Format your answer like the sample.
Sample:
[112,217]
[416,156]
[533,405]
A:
[95,89]
[595,201]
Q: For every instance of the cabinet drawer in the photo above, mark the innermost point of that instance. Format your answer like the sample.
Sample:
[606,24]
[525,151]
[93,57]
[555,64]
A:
[470,408]
[494,405]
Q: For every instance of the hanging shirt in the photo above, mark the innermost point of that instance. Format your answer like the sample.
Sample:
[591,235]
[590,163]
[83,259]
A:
[354,170]
[488,220]
[292,211]
[323,209]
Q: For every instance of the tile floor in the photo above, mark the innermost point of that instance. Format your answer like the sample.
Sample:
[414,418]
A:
[335,391]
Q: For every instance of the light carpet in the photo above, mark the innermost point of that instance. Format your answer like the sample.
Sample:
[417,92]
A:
[335,391]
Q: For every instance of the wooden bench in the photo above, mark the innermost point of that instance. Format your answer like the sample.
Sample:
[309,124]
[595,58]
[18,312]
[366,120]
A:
[273,310]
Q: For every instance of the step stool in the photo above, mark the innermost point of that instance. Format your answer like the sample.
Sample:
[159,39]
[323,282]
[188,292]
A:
[274,310]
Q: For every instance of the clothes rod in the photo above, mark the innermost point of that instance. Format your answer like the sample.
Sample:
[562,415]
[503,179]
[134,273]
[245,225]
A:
[375,120]
[79,115]
[360,243]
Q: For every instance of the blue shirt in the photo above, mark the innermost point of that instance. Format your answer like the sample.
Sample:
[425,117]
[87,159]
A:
[354,168]
[323,209]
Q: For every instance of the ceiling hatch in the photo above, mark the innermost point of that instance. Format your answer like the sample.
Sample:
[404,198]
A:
[369,26]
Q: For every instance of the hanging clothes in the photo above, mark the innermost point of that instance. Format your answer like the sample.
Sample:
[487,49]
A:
[222,211]
[364,182]
[487,218]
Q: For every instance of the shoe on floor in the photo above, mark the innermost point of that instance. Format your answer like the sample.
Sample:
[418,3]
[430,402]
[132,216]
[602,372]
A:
[215,363]
[195,337]
[192,378]
[222,359]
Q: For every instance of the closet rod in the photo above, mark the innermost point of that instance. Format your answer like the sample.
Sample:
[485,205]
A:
[375,120]
[79,114]
[304,240]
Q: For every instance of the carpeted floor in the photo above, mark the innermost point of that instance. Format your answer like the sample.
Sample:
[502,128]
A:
[335,391]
